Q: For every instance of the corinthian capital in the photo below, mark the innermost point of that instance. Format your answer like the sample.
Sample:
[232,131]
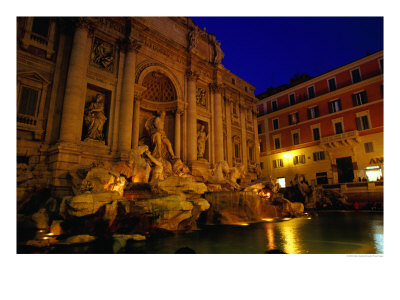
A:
[192,75]
[82,22]
[217,88]
[132,44]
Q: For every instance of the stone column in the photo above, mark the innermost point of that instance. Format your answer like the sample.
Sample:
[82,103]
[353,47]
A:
[257,141]
[136,119]
[244,135]
[228,131]
[127,95]
[191,117]
[177,139]
[71,119]
[218,130]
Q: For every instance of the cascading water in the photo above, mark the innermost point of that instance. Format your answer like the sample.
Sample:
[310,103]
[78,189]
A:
[237,208]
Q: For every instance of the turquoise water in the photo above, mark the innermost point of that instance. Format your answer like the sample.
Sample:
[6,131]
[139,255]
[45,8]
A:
[328,233]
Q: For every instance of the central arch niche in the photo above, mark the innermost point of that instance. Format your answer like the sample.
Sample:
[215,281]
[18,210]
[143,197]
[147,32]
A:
[159,88]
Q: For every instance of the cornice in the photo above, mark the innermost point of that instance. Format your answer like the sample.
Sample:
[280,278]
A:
[334,94]
[327,75]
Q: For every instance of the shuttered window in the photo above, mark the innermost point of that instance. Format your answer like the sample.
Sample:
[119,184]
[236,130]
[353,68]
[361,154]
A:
[360,98]
[28,101]
[335,106]
[362,122]
[313,112]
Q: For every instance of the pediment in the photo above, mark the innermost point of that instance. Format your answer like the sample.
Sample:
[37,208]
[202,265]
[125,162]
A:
[34,76]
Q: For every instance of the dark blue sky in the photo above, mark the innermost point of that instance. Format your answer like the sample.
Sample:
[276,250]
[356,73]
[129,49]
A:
[268,51]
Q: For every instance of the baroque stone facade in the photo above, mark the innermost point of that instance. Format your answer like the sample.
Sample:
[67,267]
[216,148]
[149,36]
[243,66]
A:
[87,86]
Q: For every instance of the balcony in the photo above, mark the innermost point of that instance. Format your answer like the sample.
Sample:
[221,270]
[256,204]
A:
[340,140]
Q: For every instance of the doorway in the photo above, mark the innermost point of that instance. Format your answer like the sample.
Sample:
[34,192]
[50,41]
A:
[345,169]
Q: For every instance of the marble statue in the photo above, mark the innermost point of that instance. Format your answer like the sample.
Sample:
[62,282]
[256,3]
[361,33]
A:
[162,145]
[102,54]
[202,138]
[95,119]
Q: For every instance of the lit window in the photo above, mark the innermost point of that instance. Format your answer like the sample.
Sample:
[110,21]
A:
[313,112]
[369,147]
[360,98]
[299,159]
[277,163]
[334,106]
[293,118]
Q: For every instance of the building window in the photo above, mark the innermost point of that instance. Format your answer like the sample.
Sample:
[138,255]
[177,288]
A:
[338,127]
[259,128]
[299,159]
[277,163]
[360,98]
[293,118]
[261,165]
[362,122]
[234,108]
[237,150]
[292,99]
[275,123]
[356,75]
[311,92]
[316,134]
[28,103]
[233,81]
[251,154]
[322,178]
[381,64]
[332,84]
[246,89]
[296,138]
[277,143]
[274,104]
[262,149]
[319,155]
[313,112]
[369,147]
[334,106]
[31,94]
[41,26]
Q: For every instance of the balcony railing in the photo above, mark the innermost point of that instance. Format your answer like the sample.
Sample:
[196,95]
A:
[340,140]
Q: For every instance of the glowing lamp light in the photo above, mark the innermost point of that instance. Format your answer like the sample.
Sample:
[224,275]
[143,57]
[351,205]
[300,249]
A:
[287,155]
[268,219]
[243,224]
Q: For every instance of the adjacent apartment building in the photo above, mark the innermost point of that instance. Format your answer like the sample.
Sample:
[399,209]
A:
[329,128]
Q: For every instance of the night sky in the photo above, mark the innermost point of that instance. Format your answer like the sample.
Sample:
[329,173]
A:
[268,51]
